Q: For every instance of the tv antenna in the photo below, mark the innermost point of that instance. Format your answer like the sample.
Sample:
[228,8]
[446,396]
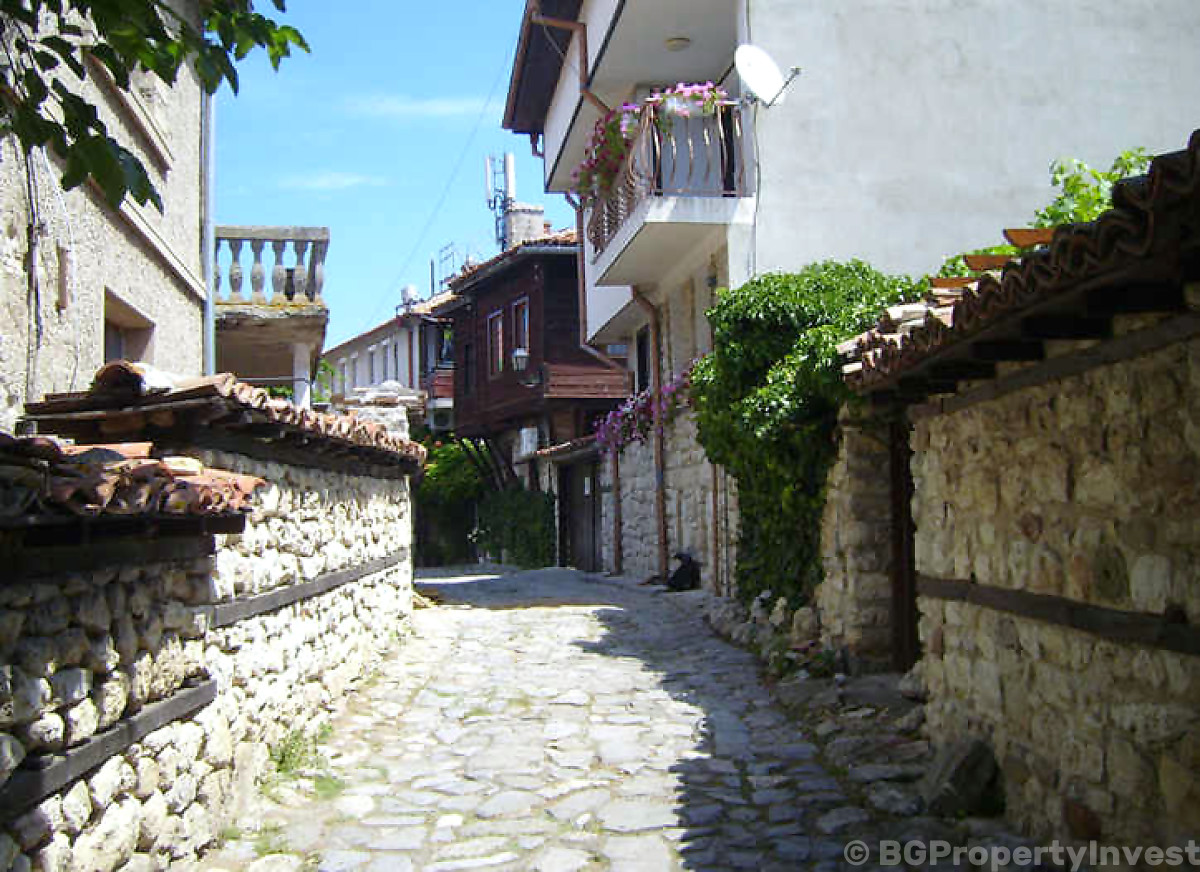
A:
[500,179]
[760,74]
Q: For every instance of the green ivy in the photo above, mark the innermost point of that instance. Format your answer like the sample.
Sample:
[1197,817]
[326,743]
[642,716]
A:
[518,525]
[766,403]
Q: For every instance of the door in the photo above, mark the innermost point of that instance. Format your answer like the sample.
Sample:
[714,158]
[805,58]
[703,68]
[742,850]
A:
[580,516]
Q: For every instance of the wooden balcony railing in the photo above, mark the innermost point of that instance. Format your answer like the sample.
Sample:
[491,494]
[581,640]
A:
[673,156]
[291,283]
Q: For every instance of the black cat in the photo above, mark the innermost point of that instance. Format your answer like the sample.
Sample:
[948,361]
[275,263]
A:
[687,576]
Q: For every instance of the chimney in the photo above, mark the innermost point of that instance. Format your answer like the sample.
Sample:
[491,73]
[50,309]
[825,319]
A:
[523,222]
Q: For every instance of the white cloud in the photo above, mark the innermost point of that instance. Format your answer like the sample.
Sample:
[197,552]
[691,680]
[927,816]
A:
[401,107]
[331,180]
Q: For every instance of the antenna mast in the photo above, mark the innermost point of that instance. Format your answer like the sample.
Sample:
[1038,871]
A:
[501,181]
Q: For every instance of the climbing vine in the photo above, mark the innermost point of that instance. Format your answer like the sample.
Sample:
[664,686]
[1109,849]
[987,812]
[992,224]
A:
[766,403]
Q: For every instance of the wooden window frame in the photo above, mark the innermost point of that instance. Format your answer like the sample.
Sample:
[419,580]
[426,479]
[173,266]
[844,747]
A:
[520,319]
[495,343]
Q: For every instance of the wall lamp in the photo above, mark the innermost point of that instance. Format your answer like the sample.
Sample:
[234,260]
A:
[520,364]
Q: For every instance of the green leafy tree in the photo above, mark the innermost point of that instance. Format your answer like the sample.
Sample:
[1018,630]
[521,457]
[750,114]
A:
[766,403]
[1084,193]
[46,45]
[446,498]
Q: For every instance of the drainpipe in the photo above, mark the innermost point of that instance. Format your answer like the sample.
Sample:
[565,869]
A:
[208,244]
[660,488]
[618,547]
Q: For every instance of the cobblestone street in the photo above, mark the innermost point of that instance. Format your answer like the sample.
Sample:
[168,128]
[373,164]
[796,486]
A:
[547,720]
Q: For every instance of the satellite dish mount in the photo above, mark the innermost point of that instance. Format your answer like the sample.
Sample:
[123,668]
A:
[761,76]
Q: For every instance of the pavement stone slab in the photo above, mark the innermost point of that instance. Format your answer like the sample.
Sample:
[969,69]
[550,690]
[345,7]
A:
[556,721]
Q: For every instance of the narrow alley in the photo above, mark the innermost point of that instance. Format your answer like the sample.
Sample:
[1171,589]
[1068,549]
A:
[551,720]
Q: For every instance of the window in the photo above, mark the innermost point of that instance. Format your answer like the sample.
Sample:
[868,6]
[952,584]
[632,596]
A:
[345,378]
[370,366]
[396,358]
[495,339]
[127,332]
[520,331]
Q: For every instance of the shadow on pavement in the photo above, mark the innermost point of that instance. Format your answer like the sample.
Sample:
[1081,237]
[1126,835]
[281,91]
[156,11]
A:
[741,783]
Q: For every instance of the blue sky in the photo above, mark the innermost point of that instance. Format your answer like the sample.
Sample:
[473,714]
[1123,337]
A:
[393,111]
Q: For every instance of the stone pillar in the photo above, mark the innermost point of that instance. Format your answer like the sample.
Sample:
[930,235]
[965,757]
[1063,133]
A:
[301,388]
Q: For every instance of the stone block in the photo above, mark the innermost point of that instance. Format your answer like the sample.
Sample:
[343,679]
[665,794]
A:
[125,638]
[77,807]
[49,617]
[1150,583]
[110,698]
[12,752]
[73,647]
[139,674]
[46,733]
[82,720]
[153,822]
[1130,773]
[56,856]
[38,656]
[113,777]
[37,825]
[112,840]
[960,779]
[92,612]
[69,686]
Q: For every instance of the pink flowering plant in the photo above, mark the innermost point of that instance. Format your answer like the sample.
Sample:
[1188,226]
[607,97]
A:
[612,137]
[633,420]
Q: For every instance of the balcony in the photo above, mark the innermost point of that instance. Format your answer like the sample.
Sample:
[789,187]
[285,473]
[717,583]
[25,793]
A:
[275,338]
[683,177]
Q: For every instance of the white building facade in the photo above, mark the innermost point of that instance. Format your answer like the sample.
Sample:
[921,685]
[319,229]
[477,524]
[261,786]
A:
[912,132]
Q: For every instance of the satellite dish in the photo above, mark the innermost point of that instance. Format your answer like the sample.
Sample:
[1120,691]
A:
[760,74]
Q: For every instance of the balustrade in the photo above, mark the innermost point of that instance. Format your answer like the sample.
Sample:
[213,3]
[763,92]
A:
[672,155]
[297,282]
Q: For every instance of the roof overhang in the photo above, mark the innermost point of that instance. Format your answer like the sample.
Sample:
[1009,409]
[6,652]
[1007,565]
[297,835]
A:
[537,65]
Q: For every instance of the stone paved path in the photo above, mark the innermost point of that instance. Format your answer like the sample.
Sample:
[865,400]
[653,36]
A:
[554,721]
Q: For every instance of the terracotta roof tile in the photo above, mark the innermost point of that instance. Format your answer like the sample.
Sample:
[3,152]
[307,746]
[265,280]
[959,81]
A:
[39,477]
[563,239]
[124,386]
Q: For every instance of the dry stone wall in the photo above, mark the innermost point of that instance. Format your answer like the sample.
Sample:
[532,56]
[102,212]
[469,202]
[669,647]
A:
[273,628]
[854,600]
[688,478]
[1083,489]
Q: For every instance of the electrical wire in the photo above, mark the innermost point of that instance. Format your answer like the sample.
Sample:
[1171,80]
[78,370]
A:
[441,201]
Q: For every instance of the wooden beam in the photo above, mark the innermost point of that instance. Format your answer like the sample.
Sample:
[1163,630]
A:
[30,785]
[224,614]
[1167,332]
[1008,349]
[1066,327]
[1135,299]
[962,370]
[1116,625]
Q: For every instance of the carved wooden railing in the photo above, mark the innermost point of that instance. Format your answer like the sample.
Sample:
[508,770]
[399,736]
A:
[295,282]
[672,156]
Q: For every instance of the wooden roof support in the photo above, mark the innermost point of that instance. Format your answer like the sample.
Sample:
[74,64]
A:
[1066,327]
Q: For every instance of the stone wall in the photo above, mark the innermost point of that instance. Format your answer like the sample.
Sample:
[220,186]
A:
[688,477]
[149,261]
[279,622]
[854,600]
[1084,490]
